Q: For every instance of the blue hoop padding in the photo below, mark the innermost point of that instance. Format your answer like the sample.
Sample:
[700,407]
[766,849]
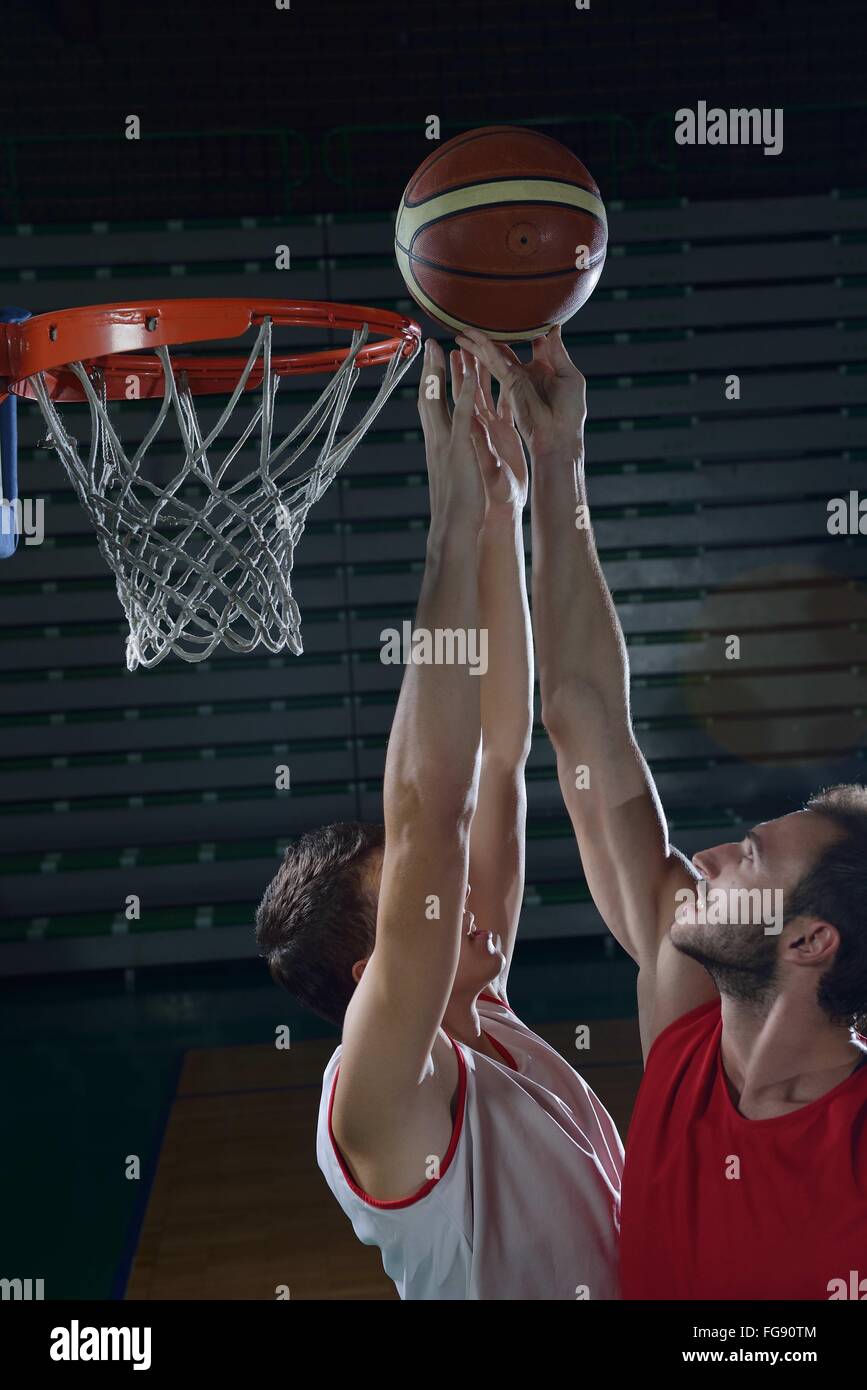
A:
[9,454]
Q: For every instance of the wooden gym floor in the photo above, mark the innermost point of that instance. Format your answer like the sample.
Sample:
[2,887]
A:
[238,1206]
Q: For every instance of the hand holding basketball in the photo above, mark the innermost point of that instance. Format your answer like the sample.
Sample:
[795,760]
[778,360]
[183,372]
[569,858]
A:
[452,442]
[547,396]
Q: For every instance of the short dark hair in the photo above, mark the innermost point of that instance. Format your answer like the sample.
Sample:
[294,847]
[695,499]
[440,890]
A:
[318,916]
[834,890]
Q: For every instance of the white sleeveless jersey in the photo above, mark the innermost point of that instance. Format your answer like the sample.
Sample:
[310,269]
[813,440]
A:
[528,1199]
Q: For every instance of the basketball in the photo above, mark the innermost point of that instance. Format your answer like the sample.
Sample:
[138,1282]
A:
[501,229]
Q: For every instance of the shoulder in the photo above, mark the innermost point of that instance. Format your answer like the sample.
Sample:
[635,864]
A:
[400,1169]
[685,1033]
[518,1046]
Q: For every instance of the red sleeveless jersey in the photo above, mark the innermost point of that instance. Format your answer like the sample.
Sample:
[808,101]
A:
[716,1206]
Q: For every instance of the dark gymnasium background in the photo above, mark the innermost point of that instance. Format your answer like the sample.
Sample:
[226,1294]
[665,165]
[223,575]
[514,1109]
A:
[260,126]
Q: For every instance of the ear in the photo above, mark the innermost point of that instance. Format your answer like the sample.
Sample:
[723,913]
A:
[814,942]
[358,970]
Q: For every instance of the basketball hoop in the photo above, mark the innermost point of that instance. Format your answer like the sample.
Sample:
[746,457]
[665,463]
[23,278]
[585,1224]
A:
[204,557]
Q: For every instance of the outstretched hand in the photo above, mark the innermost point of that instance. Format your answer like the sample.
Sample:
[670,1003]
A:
[502,459]
[547,396]
[452,441]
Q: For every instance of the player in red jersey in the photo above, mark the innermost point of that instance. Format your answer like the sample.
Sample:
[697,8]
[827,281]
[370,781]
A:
[746,1164]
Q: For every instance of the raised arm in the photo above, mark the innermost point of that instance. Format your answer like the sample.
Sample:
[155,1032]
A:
[387,1115]
[497,839]
[632,870]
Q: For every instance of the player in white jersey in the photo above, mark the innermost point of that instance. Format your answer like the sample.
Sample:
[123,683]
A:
[453,1137]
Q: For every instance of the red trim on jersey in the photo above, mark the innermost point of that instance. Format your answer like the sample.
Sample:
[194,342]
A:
[492,999]
[449,1155]
[503,1051]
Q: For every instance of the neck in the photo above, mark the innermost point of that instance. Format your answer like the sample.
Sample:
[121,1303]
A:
[781,1057]
[461,1018]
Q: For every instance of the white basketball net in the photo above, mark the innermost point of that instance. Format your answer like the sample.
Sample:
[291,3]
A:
[215,568]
